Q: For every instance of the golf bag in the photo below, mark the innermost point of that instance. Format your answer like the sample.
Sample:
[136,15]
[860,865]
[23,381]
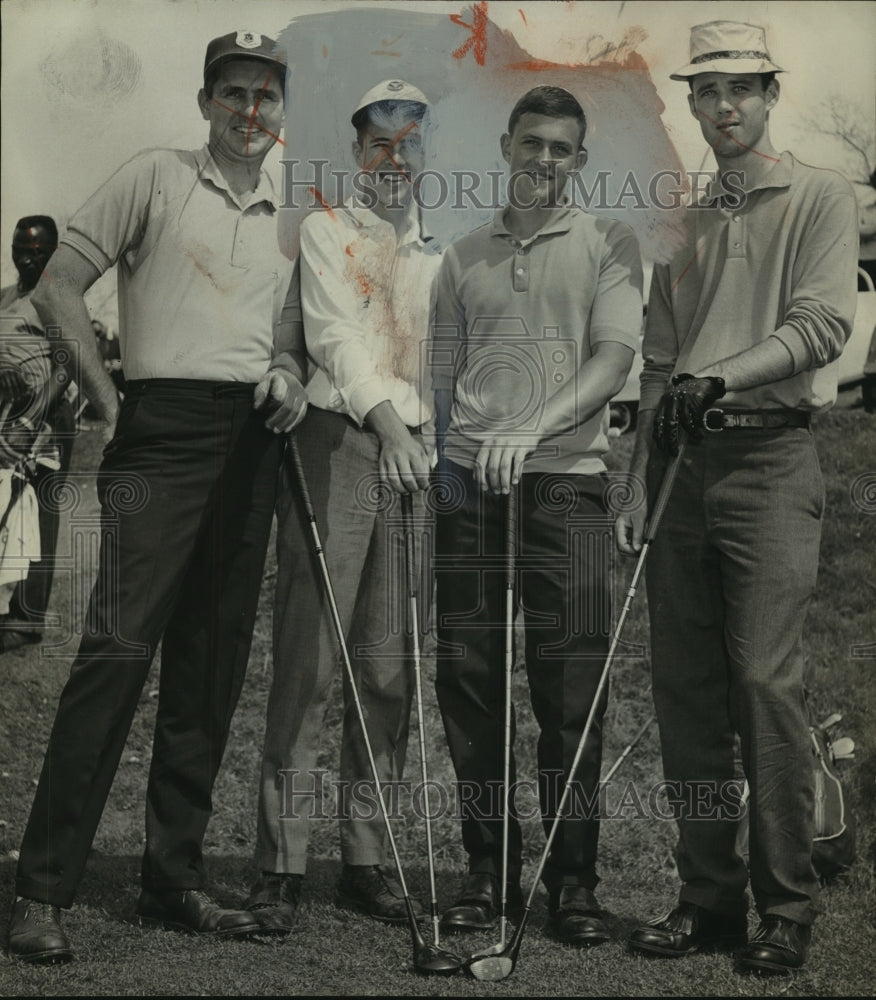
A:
[833,842]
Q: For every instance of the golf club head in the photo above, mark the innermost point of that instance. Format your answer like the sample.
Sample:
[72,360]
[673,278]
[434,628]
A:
[497,963]
[430,960]
[490,968]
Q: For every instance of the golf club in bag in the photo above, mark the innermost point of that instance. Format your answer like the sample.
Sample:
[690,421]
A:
[440,960]
[428,959]
[510,554]
[492,968]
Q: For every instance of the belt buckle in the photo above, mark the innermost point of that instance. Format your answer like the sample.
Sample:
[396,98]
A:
[718,426]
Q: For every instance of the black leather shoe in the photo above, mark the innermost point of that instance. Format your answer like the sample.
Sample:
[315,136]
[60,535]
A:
[575,917]
[373,889]
[778,946]
[479,904]
[273,901]
[688,928]
[35,933]
[192,910]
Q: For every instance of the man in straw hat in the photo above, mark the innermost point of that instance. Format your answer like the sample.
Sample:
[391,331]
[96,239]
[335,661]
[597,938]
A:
[742,328]
[367,268]
[187,486]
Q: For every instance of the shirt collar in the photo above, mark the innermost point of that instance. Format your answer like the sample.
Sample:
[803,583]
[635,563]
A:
[780,175]
[560,222]
[208,170]
[413,232]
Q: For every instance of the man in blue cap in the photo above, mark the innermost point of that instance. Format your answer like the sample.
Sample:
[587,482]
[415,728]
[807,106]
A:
[187,487]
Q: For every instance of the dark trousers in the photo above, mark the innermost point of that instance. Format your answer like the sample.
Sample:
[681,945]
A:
[187,489]
[564,547]
[31,597]
[730,576]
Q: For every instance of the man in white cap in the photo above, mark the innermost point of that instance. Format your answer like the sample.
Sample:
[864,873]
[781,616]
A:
[743,326]
[366,272]
[187,487]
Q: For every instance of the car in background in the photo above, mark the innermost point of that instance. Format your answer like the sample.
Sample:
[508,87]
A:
[856,365]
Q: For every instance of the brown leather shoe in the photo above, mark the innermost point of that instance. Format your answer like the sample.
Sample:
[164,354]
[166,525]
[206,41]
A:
[273,901]
[779,945]
[35,933]
[192,910]
[373,889]
[688,928]
[575,917]
[479,904]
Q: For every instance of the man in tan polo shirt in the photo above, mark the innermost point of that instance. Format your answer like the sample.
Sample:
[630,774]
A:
[187,488]
[743,328]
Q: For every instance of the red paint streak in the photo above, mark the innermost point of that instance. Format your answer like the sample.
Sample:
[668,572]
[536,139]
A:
[251,119]
[318,195]
[364,284]
[478,29]
[384,154]
[687,267]
[748,149]
[520,12]
[349,250]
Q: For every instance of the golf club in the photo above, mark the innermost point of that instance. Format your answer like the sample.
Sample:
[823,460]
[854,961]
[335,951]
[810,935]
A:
[627,749]
[428,960]
[511,510]
[438,960]
[492,968]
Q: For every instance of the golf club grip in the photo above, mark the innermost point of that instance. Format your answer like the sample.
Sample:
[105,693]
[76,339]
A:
[407,511]
[298,471]
[669,477]
[511,504]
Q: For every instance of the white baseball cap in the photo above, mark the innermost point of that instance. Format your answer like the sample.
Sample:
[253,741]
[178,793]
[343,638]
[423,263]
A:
[391,90]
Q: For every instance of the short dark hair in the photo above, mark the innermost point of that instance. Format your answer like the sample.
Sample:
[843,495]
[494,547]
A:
[554,102]
[44,221]
[765,80]
[414,110]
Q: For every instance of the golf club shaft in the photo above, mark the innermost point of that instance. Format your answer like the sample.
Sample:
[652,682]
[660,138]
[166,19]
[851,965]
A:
[628,749]
[298,469]
[511,511]
[407,507]
[656,515]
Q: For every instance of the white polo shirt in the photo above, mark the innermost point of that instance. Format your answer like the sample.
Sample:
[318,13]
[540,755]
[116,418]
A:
[202,279]
[366,300]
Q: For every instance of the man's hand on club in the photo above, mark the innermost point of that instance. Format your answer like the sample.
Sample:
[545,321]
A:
[682,407]
[629,532]
[404,464]
[499,463]
[283,398]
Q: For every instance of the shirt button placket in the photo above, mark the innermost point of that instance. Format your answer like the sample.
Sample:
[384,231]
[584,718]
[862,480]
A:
[520,265]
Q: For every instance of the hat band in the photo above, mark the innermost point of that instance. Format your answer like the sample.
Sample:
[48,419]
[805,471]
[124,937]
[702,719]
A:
[731,54]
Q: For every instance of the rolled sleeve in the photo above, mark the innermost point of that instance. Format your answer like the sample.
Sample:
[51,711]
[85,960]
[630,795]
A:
[819,317]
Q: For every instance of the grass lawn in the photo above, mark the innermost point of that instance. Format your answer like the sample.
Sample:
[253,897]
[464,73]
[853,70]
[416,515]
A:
[334,952]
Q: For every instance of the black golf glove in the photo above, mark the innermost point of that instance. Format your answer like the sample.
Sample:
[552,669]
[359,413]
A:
[683,406]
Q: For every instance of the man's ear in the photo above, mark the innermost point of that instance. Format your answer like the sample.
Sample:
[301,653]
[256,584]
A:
[505,144]
[581,159]
[692,105]
[772,92]
[204,104]
[357,152]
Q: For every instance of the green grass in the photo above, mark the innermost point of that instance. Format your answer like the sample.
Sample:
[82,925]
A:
[334,952]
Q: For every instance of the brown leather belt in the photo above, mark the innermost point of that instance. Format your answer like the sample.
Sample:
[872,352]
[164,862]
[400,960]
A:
[716,419]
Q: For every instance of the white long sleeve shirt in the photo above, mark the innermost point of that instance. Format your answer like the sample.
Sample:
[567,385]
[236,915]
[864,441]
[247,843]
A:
[366,301]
